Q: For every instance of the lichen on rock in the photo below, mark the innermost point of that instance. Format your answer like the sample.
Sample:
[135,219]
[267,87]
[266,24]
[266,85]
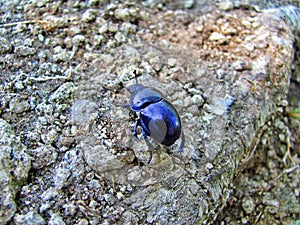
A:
[14,167]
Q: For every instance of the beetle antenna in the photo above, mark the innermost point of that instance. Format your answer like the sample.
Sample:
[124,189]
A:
[135,76]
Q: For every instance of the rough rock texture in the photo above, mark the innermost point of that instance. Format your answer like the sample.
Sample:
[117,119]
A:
[64,69]
[14,167]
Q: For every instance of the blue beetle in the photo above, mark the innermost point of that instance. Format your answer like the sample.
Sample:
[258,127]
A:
[157,116]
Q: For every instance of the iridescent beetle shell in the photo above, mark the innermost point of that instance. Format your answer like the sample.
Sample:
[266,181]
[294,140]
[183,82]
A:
[158,117]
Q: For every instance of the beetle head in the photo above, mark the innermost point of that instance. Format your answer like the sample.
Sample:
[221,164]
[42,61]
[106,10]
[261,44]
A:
[141,96]
[135,88]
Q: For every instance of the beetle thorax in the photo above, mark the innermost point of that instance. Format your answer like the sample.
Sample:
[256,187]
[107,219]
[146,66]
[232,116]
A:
[142,96]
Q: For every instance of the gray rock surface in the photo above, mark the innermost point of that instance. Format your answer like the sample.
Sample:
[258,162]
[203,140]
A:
[67,150]
[14,167]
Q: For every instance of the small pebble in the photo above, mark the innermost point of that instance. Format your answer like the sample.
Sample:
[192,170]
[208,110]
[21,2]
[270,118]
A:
[188,4]
[63,56]
[24,50]
[248,205]
[122,14]
[240,65]
[33,217]
[198,100]
[110,199]
[220,74]
[78,39]
[19,85]
[56,219]
[5,46]
[89,15]
[172,62]
[218,37]
[225,5]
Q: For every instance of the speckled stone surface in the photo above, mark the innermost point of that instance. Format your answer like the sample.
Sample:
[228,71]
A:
[65,67]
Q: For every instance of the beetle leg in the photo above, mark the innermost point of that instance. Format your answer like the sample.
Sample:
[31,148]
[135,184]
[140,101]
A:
[151,147]
[144,134]
[151,153]
[137,123]
[182,142]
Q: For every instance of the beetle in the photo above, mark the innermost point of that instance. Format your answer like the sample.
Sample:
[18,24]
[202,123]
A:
[157,116]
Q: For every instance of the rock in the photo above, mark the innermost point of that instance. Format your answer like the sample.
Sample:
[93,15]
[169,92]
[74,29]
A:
[198,100]
[78,40]
[122,14]
[5,46]
[218,37]
[62,56]
[8,205]
[24,50]
[44,156]
[89,15]
[128,28]
[98,158]
[83,112]
[33,218]
[93,2]
[70,168]
[56,220]
[189,4]
[19,106]
[14,167]
[220,74]
[241,65]
[225,5]
[226,72]
[172,62]
[248,205]
[62,93]
[110,199]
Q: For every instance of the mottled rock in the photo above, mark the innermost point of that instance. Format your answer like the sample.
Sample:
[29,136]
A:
[89,15]
[62,93]
[62,56]
[56,220]
[122,14]
[71,168]
[98,157]
[225,72]
[172,62]
[128,28]
[14,167]
[78,39]
[43,156]
[33,218]
[225,5]
[24,50]
[189,4]
[83,112]
[5,45]
[248,205]
[19,106]
[218,37]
